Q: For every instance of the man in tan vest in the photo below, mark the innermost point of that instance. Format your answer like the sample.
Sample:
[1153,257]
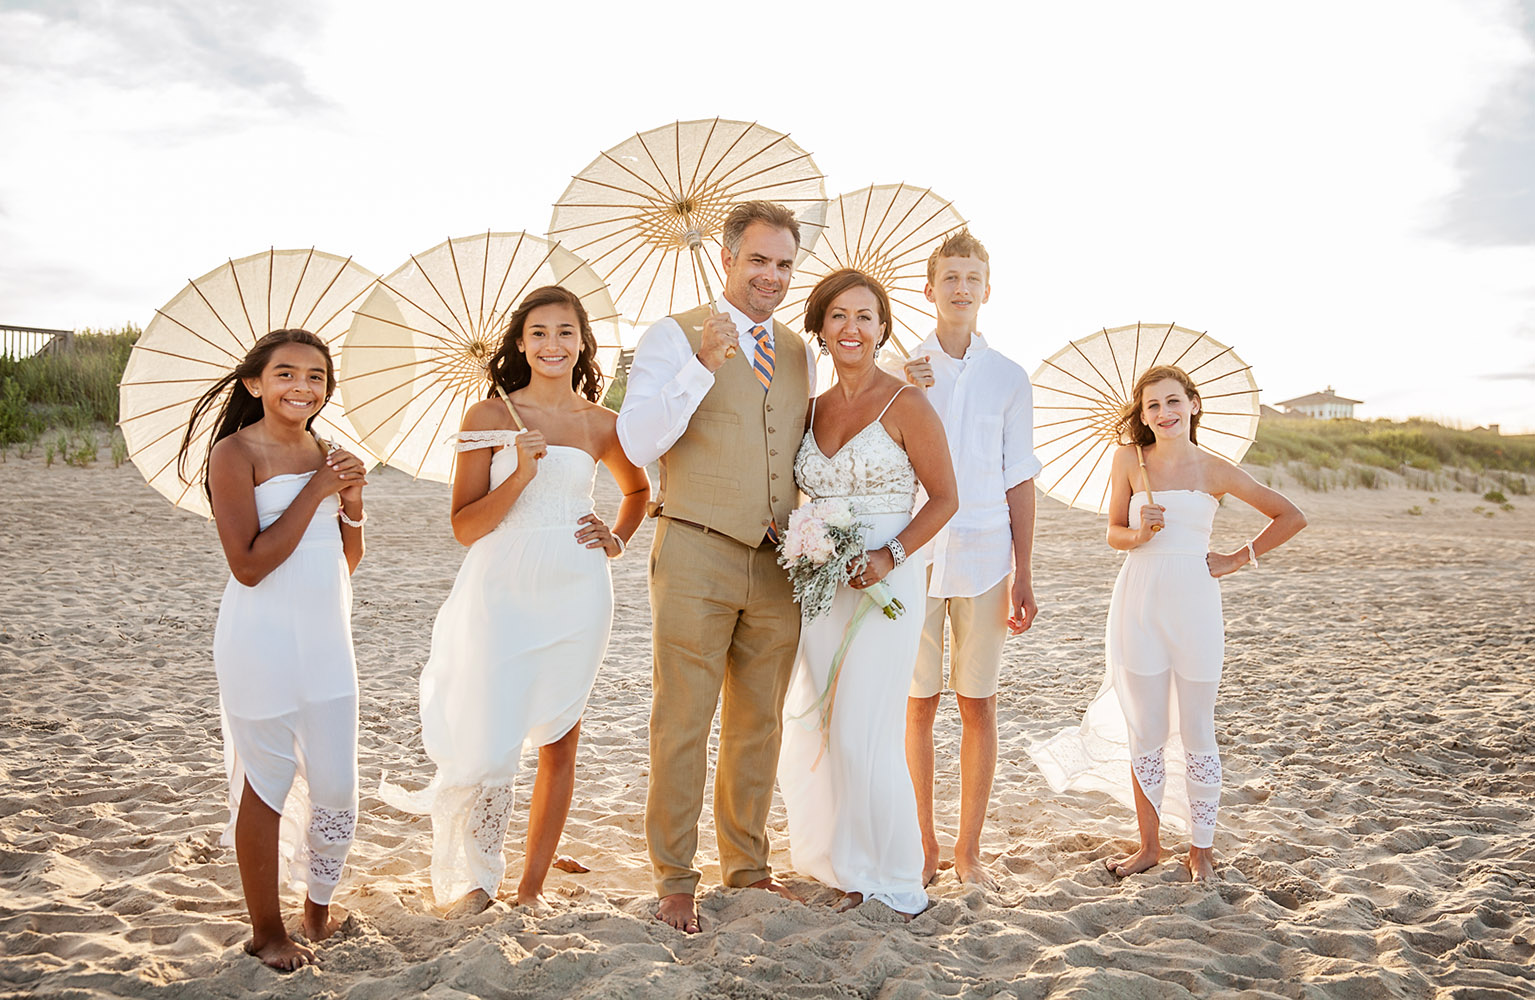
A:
[725,430]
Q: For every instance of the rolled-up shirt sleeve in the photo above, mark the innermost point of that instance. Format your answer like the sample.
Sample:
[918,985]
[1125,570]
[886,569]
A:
[1019,463]
[666,384]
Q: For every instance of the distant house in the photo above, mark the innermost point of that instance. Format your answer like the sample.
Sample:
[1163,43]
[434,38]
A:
[1325,405]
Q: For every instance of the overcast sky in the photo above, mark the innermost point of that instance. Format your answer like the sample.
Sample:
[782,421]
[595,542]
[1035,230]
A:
[1342,190]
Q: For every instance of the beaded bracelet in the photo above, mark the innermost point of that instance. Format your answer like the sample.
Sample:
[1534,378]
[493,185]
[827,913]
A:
[1252,555]
[348,521]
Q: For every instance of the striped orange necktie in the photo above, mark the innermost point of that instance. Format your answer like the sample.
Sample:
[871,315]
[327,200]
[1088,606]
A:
[762,364]
[762,357]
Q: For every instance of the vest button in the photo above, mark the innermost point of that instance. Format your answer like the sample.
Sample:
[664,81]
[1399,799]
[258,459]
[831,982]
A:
[773,476]
[775,499]
[768,407]
[772,451]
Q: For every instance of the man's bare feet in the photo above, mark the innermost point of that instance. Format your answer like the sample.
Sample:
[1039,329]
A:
[773,885]
[849,901]
[319,922]
[679,910]
[1200,864]
[283,954]
[478,901]
[972,872]
[1141,860]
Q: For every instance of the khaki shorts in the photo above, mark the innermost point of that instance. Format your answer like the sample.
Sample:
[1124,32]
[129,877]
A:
[977,632]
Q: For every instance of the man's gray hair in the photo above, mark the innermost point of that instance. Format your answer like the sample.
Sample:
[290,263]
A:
[744,214]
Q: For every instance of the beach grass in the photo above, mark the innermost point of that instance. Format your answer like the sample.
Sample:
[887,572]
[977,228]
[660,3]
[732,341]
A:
[1371,454]
[72,392]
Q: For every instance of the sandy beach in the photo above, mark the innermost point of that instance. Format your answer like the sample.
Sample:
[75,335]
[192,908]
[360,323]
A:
[1377,834]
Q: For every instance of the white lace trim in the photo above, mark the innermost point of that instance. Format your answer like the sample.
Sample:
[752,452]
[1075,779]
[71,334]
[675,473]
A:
[488,820]
[332,826]
[325,870]
[1204,768]
[473,440]
[1151,771]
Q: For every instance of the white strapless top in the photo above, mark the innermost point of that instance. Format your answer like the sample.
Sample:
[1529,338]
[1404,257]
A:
[1189,517]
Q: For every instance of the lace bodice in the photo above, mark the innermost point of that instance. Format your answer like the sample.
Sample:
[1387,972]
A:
[870,469]
[559,496]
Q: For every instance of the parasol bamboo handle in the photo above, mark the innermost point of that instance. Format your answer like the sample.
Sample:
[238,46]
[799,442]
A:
[1140,458]
[516,420]
[696,244]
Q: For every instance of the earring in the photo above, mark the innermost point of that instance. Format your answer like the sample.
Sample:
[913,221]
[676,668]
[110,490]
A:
[824,349]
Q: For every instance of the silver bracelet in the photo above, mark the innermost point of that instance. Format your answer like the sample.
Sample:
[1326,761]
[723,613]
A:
[1252,555]
[897,551]
[622,548]
[341,511]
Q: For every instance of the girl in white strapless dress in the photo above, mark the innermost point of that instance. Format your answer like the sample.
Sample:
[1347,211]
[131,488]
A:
[852,808]
[1165,639]
[283,645]
[517,644]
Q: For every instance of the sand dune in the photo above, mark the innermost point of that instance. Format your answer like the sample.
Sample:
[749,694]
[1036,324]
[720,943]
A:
[1377,839]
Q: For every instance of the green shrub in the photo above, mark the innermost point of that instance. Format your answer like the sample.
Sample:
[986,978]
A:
[76,389]
[1494,496]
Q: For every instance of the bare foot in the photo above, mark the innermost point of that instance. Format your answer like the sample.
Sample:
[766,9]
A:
[679,910]
[534,901]
[478,901]
[320,922]
[1141,860]
[972,872]
[773,885]
[1200,864]
[849,901]
[929,862]
[283,954]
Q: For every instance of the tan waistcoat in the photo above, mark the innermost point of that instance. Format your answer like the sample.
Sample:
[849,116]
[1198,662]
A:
[733,468]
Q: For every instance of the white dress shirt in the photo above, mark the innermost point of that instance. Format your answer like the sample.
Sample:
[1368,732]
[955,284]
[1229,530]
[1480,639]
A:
[987,407]
[667,382]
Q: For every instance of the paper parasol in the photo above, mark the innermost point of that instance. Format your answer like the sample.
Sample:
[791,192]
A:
[201,334]
[631,211]
[1078,393]
[417,355]
[887,231]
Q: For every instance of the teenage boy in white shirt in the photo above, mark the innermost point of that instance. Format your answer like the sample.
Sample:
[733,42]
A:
[980,575]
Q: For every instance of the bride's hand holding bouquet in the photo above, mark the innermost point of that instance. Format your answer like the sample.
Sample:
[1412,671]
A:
[823,550]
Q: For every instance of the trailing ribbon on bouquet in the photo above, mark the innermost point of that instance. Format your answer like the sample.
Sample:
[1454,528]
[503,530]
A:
[876,595]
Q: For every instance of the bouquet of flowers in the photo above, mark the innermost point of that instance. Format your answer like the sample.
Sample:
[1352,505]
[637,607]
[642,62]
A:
[822,550]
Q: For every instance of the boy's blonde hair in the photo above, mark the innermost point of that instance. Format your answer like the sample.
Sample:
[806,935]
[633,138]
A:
[960,244]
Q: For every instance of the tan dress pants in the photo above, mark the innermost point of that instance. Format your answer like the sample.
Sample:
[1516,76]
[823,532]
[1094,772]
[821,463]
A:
[724,622]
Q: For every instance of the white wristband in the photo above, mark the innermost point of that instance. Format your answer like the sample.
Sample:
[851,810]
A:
[621,547]
[1252,555]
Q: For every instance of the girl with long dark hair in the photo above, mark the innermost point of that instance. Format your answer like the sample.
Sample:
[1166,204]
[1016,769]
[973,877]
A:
[517,644]
[289,516]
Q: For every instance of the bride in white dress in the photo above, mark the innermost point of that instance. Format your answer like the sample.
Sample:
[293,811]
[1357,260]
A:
[852,810]
[1165,638]
[517,644]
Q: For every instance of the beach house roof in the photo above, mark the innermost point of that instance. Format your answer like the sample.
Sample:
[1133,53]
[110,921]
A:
[1319,398]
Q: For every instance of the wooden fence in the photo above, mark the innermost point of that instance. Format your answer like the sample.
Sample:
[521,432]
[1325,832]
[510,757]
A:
[25,341]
